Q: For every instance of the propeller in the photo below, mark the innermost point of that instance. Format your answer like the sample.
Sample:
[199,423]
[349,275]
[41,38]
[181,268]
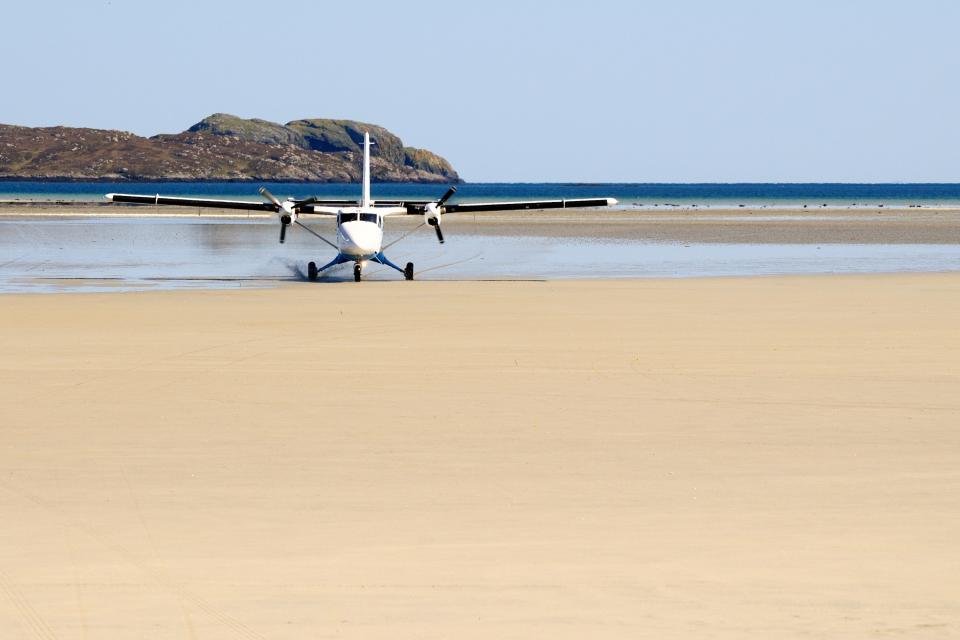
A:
[287,211]
[269,196]
[285,221]
[299,204]
[435,223]
[434,210]
[446,196]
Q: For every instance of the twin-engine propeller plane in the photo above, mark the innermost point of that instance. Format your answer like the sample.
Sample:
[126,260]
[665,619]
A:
[359,223]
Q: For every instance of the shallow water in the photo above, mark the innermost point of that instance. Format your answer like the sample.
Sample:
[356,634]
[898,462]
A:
[629,195]
[98,254]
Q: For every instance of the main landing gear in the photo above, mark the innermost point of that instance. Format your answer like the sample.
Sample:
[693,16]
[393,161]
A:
[313,271]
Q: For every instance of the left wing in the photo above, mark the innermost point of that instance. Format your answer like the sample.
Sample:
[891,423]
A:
[529,204]
[419,207]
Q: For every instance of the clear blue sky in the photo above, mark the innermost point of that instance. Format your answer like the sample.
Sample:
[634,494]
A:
[670,91]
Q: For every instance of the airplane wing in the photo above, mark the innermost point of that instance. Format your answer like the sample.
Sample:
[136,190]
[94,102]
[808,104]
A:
[468,207]
[384,207]
[319,207]
[246,205]
[330,203]
[330,207]
[401,203]
[418,207]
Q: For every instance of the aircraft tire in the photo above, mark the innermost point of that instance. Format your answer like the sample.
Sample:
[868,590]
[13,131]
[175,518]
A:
[312,271]
[356,272]
[408,271]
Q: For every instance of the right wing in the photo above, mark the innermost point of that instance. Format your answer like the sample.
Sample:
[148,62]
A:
[246,205]
[311,205]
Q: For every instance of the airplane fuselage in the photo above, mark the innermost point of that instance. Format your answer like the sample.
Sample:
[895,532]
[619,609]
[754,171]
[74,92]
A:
[360,231]
[359,238]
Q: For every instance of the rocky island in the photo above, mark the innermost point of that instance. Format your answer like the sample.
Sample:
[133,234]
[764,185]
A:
[220,147]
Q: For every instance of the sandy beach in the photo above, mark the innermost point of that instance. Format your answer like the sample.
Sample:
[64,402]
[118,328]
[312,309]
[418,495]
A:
[724,458]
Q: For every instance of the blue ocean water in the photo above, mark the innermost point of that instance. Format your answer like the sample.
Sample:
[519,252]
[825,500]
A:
[638,194]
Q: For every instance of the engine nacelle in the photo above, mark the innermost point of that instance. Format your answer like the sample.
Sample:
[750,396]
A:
[288,212]
[431,214]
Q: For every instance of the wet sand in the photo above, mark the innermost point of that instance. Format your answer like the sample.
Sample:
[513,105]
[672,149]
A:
[730,226]
[724,458]
[814,225]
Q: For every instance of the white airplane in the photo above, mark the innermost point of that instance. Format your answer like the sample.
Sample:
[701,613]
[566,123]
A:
[359,224]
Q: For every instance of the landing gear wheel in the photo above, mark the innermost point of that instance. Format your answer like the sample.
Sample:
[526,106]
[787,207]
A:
[356,272]
[408,271]
[312,271]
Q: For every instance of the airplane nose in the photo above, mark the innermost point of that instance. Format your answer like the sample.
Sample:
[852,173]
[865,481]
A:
[359,240]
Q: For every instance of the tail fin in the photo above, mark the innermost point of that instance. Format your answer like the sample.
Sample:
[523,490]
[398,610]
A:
[366,169]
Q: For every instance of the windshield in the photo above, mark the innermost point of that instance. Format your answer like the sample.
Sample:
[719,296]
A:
[368,217]
[346,217]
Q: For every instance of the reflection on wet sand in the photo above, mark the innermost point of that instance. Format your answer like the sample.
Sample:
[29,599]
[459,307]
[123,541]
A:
[111,253]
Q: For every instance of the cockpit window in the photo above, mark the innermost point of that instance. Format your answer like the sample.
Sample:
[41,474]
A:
[346,217]
[368,217]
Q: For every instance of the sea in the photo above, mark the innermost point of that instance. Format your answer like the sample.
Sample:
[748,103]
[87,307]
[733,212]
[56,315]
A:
[629,195]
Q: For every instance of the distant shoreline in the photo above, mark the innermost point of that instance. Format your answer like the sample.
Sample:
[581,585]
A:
[460,181]
[138,180]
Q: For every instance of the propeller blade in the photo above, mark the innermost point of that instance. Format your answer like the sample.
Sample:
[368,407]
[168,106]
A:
[439,233]
[304,203]
[283,233]
[446,196]
[269,196]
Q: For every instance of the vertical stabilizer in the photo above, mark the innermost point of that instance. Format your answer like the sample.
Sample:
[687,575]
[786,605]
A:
[366,169]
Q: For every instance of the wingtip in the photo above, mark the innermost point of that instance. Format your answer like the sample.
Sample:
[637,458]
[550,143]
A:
[612,202]
[109,197]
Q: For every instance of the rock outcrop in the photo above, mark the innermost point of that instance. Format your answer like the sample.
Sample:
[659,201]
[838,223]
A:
[220,147]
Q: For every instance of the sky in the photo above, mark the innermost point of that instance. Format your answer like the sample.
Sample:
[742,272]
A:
[589,91]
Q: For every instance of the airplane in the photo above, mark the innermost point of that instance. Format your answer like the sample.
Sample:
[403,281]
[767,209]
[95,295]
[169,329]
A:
[359,223]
